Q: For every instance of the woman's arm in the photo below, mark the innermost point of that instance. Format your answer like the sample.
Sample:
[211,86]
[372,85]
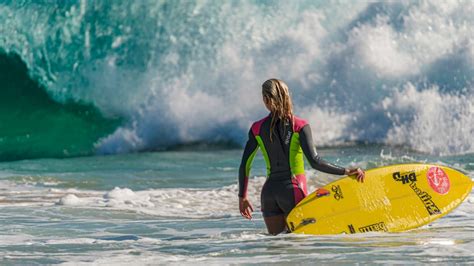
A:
[251,147]
[306,141]
[247,159]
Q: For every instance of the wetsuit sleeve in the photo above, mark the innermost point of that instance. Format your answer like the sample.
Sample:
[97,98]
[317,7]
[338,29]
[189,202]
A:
[306,140]
[247,158]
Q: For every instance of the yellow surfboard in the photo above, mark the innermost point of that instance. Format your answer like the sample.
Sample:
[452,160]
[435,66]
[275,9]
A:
[392,199]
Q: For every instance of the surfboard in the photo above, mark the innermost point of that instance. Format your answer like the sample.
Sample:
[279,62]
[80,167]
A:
[392,199]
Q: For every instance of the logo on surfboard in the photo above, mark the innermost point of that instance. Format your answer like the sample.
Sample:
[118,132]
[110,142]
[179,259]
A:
[405,177]
[337,192]
[380,226]
[438,180]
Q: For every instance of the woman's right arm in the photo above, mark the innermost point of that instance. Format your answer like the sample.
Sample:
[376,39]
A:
[247,158]
[244,170]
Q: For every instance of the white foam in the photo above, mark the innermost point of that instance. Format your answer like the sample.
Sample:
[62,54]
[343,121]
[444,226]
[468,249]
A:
[69,241]
[126,198]
[70,200]
[172,202]
[120,193]
[430,121]
[377,48]
[437,241]
[6,240]
[327,125]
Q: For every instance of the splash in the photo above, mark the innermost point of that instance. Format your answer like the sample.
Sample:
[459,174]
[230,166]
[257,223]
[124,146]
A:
[425,119]
[182,73]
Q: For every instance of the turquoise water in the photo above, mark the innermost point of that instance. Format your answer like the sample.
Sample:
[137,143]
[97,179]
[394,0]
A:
[181,208]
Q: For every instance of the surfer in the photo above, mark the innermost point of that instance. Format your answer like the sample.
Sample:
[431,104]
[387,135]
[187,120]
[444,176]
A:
[283,139]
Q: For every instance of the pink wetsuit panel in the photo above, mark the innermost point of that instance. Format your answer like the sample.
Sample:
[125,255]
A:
[257,125]
[298,124]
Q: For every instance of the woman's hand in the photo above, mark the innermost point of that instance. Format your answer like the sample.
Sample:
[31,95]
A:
[356,171]
[245,207]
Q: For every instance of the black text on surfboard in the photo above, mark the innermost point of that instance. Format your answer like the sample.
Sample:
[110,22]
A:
[426,199]
[405,177]
[373,228]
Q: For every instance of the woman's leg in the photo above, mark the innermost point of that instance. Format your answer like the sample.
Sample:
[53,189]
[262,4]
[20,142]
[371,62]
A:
[287,194]
[275,224]
[272,214]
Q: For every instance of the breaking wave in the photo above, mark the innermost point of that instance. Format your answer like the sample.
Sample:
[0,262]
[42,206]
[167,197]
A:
[174,72]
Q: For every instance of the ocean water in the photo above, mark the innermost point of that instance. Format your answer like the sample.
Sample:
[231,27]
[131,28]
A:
[181,208]
[168,90]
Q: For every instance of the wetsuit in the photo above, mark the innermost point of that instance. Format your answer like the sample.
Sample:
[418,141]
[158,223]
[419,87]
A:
[286,181]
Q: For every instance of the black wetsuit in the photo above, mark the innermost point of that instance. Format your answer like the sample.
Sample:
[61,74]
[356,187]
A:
[283,153]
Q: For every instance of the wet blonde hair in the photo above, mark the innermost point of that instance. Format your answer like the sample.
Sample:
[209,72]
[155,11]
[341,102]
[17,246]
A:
[277,96]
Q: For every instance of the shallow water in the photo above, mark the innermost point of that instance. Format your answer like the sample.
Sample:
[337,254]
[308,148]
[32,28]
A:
[181,208]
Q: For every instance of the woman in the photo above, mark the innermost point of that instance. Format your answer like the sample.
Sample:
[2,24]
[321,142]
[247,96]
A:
[283,139]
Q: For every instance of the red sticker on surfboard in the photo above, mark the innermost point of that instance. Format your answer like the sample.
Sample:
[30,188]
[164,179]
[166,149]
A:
[438,180]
